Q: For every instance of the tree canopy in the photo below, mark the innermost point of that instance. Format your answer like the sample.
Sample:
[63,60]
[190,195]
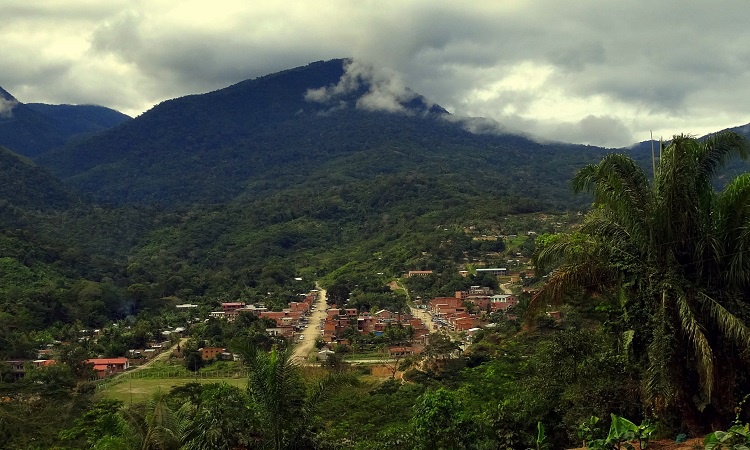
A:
[674,251]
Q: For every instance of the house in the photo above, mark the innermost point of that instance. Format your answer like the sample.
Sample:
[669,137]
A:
[436,304]
[384,314]
[208,353]
[497,271]
[503,302]
[474,291]
[299,307]
[418,273]
[231,306]
[464,323]
[17,368]
[400,351]
[324,354]
[217,314]
[109,366]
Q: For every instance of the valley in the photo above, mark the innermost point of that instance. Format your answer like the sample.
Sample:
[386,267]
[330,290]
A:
[283,266]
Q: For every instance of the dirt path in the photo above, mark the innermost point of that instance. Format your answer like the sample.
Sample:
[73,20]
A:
[306,345]
[160,357]
[505,289]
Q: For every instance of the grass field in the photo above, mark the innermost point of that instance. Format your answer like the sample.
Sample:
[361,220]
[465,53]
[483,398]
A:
[139,389]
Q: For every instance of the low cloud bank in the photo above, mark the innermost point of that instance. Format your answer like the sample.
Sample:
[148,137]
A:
[385,89]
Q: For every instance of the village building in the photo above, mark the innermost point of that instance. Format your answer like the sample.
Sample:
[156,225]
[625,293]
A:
[109,366]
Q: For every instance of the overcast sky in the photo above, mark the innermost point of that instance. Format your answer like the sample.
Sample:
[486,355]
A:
[584,71]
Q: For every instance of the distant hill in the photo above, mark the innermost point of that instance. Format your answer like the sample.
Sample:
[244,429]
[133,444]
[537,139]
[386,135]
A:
[32,129]
[29,187]
[278,131]
[642,152]
[72,120]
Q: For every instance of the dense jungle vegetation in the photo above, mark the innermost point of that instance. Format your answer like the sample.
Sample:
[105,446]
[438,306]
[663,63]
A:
[656,266]
[253,194]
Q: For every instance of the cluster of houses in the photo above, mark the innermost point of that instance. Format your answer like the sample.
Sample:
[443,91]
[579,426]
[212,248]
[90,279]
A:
[453,312]
[102,366]
[340,319]
[288,321]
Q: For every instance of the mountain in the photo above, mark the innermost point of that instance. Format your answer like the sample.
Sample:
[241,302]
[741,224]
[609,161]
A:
[322,172]
[319,122]
[32,129]
[73,120]
[29,187]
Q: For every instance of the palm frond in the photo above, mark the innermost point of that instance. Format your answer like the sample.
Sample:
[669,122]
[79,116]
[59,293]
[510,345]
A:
[701,347]
[563,249]
[717,149]
[619,184]
[589,274]
[729,324]
[733,221]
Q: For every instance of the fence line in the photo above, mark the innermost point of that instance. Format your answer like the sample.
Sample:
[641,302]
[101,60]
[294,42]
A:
[166,374]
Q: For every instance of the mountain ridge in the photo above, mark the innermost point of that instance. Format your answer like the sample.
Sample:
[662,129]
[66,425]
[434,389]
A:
[34,128]
[216,146]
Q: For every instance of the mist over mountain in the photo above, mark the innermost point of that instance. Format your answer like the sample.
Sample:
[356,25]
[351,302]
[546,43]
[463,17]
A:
[34,128]
[328,118]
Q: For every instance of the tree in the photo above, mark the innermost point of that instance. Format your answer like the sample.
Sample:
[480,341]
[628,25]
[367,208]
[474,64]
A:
[75,356]
[219,420]
[284,408]
[101,420]
[152,426]
[673,251]
[440,346]
[275,386]
[438,421]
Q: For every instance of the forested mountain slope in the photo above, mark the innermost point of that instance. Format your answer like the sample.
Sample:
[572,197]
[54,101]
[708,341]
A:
[264,135]
[27,186]
[32,129]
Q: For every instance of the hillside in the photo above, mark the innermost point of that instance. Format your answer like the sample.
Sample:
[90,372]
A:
[312,171]
[29,187]
[74,120]
[262,136]
[32,129]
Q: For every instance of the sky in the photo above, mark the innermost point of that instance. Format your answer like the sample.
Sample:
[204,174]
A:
[594,72]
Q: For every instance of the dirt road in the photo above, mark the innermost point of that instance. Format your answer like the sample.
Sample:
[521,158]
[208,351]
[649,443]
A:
[163,356]
[306,345]
[425,317]
[416,312]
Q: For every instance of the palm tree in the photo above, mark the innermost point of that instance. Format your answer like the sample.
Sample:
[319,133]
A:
[275,386]
[675,251]
[284,407]
[153,426]
[219,420]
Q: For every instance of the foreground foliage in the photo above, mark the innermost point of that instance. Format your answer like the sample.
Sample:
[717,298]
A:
[674,252]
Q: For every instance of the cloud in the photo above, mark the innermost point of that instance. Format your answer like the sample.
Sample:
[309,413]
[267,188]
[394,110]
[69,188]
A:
[560,68]
[6,107]
[604,131]
[382,89]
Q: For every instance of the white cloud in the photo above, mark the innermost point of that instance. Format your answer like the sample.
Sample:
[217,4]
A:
[6,107]
[582,70]
[382,89]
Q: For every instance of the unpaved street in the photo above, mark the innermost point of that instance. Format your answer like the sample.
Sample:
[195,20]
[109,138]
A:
[305,346]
